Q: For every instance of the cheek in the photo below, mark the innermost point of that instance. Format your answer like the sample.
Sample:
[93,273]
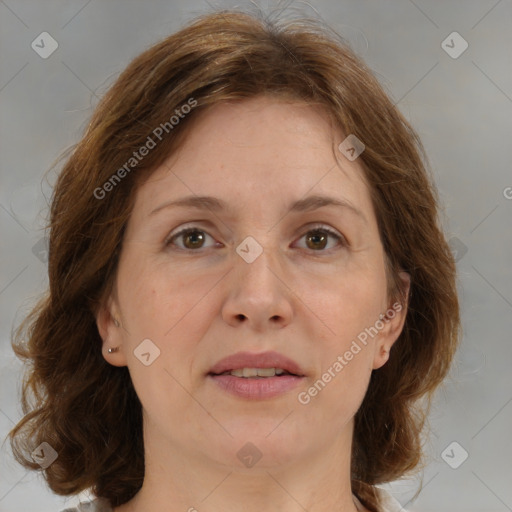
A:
[348,305]
[154,296]
[336,393]
[165,307]
[348,308]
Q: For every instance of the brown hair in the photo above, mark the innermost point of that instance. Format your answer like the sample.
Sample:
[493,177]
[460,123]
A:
[86,409]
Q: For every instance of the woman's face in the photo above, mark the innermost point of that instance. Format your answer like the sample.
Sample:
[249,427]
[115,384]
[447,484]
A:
[256,275]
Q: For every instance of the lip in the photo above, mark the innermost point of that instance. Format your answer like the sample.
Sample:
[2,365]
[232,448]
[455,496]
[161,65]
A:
[263,360]
[256,388]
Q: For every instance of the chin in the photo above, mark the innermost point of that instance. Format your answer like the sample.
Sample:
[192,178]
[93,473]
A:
[260,442]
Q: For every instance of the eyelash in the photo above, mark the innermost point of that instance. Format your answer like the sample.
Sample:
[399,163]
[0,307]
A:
[320,228]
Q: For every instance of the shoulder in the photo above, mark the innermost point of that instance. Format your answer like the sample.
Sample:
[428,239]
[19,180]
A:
[97,505]
[389,503]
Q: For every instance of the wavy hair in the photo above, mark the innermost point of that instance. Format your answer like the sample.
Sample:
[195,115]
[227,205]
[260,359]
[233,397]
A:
[87,409]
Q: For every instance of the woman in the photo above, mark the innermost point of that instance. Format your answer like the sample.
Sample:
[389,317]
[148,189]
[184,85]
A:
[250,291]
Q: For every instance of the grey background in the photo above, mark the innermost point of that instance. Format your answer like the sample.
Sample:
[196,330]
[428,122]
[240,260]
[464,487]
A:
[462,110]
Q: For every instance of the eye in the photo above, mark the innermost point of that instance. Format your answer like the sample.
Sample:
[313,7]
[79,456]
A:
[192,237]
[317,238]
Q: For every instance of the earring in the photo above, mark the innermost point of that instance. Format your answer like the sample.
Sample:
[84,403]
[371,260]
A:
[111,350]
[116,322]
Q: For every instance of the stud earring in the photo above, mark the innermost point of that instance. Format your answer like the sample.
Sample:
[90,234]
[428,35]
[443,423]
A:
[116,322]
[111,350]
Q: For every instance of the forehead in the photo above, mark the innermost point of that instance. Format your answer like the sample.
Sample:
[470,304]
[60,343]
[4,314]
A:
[256,152]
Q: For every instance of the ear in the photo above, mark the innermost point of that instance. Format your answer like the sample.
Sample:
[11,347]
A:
[112,332]
[393,320]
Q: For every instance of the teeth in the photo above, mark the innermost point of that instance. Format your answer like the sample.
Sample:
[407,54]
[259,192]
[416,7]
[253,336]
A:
[265,372]
[257,372]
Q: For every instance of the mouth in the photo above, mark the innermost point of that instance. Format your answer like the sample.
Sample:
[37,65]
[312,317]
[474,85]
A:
[256,373]
[256,376]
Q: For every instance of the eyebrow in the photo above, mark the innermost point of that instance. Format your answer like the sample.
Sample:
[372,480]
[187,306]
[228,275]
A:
[307,204]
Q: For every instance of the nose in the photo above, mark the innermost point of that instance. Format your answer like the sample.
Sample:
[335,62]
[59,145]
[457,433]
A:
[258,294]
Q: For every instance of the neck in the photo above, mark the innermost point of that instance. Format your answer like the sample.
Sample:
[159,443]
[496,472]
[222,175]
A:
[182,480]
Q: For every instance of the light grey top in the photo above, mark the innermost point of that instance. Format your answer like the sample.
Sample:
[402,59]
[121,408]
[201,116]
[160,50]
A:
[100,505]
[97,505]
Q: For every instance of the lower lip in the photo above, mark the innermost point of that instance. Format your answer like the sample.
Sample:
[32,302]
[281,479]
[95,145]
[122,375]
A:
[254,388]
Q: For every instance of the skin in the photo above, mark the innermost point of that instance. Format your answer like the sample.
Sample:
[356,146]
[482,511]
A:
[300,297]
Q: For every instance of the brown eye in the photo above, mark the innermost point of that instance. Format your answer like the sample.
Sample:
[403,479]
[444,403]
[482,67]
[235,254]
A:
[317,239]
[192,238]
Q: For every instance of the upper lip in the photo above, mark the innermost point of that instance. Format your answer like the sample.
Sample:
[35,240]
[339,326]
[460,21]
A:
[264,360]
